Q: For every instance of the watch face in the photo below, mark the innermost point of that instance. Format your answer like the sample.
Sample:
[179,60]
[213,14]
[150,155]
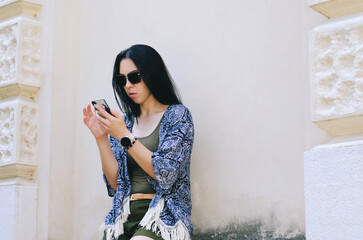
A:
[125,141]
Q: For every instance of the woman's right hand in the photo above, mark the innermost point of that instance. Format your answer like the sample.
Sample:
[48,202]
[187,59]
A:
[91,121]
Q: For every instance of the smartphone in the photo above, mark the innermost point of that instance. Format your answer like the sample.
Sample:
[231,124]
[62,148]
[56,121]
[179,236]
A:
[102,102]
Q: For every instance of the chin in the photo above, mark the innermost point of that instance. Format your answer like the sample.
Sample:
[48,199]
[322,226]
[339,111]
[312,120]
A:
[137,101]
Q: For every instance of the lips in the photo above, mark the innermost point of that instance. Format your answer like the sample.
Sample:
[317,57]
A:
[132,95]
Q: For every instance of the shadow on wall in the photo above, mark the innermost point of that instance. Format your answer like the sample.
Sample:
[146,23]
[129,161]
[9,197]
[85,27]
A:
[254,230]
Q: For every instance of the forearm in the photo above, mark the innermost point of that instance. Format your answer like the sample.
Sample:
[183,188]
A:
[142,156]
[108,160]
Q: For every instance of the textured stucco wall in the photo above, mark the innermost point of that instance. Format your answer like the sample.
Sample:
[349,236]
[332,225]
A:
[18,204]
[334,191]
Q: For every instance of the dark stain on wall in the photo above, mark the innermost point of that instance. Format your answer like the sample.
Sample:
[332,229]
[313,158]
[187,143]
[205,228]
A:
[255,230]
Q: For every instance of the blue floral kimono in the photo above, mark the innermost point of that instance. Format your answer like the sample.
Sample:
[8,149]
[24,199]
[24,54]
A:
[170,209]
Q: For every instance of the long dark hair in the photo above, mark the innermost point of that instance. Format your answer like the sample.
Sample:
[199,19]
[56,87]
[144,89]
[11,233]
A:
[154,74]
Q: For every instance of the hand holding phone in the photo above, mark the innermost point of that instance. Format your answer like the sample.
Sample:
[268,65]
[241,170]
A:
[102,102]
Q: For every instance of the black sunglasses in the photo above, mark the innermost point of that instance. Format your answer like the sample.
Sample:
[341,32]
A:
[133,77]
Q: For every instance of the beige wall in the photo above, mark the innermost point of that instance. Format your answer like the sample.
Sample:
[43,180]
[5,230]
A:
[241,68]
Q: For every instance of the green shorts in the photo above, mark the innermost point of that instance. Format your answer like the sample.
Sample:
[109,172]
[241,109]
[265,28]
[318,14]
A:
[138,208]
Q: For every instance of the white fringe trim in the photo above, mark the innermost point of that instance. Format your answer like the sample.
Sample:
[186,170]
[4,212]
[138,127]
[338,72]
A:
[114,231]
[151,221]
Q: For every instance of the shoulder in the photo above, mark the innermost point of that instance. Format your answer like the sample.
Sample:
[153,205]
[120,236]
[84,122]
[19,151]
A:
[177,123]
[177,112]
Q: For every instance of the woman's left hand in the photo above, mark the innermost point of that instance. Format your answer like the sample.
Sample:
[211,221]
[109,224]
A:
[113,125]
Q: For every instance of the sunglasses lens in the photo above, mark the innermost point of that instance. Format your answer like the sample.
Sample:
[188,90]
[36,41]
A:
[121,79]
[134,77]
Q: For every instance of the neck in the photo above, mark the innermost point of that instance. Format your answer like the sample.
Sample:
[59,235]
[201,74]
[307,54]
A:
[152,106]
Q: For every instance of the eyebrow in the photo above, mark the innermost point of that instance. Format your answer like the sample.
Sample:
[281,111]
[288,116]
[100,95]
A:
[130,72]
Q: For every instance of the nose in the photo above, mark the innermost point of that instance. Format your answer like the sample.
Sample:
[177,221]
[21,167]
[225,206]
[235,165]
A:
[128,84]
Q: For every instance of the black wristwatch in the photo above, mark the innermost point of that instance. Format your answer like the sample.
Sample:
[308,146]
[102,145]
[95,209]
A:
[128,141]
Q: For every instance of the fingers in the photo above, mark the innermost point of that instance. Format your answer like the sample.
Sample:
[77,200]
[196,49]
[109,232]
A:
[103,111]
[115,113]
[89,111]
[85,113]
[85,116]
[102,120]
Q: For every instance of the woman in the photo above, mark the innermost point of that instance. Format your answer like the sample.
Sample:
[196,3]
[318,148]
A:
[146,159]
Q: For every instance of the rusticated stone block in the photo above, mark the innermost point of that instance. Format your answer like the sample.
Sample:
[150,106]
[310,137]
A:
[7,127]
[8,52]
[337,71]
[19,132]
[28,133]
[29,49]
[19,56]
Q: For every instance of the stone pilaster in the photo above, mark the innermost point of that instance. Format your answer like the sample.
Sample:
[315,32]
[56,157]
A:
[19,84]
[334,171]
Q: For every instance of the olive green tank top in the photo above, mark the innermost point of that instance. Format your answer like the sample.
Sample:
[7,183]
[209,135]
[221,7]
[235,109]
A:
[139,183]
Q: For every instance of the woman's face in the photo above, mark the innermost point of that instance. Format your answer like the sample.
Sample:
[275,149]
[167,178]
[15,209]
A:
[138,92]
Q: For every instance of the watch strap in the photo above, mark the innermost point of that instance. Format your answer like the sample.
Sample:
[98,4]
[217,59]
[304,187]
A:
[132,139]
[132,144]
